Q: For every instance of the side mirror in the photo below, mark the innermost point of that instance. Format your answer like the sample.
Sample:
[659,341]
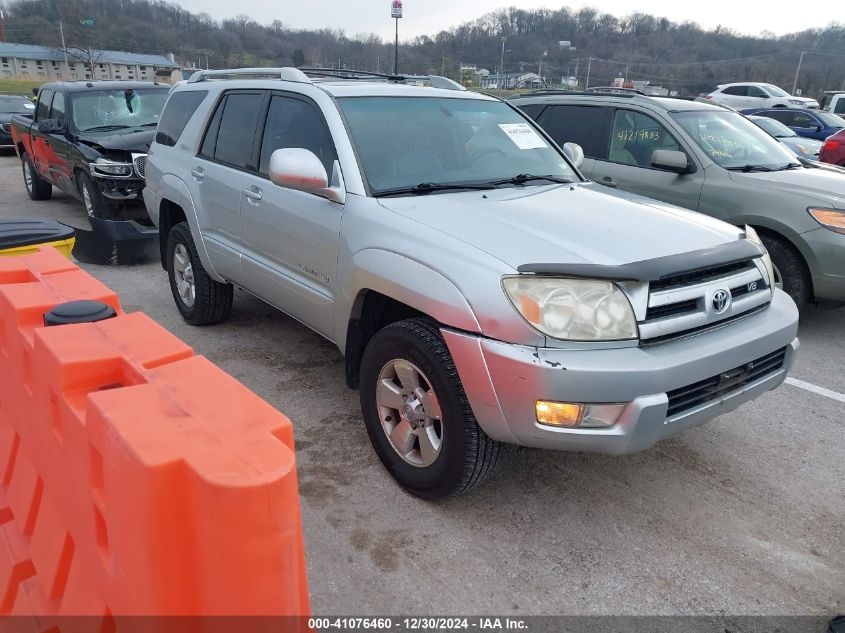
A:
[49,126]
[819,128]
[300,169]
[670,160]
[574,152]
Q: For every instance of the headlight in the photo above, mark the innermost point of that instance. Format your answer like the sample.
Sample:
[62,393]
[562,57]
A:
[796,101]
[832,219]
[751,234]
[105,167]
[573,309]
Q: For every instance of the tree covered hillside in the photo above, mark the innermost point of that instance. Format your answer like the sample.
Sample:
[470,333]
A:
[681,56]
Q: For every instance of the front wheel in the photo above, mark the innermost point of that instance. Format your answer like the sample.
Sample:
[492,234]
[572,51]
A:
[790,270]
[36,187]
[417,414]
[200,299]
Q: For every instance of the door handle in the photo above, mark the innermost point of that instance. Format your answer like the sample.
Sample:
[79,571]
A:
[198,173]
[253,193]
[607,181]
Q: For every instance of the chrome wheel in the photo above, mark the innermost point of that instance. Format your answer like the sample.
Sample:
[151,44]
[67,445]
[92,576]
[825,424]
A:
[409,412]
[27,176]
[183,273]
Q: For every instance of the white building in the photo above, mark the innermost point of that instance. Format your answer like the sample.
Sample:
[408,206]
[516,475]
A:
[42,63]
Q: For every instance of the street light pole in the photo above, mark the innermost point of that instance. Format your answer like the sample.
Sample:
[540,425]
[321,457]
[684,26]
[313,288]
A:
[797,71]
[501,67]
[589,63]
[396,50]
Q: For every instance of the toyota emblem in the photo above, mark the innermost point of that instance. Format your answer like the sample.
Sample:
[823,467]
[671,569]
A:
[721,301]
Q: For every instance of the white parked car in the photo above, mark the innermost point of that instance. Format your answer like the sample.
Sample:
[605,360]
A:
[741,96]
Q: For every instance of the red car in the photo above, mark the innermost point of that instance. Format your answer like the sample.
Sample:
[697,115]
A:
[833,150]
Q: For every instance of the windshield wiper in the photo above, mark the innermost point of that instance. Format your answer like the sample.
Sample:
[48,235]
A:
[428,187]
[101,128]
[789,166]
[148,124]
[747,168]
[520,179]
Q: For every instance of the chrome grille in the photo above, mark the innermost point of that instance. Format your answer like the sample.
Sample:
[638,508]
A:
[704,391]
[687,303]
[140,162]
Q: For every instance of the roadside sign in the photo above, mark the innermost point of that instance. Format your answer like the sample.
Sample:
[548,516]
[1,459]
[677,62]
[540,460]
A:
[396,9]
[87,22]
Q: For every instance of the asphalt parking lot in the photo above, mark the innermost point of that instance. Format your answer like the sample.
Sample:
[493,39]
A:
[741,516]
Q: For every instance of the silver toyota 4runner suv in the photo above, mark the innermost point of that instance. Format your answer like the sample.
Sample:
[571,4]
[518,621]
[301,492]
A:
[481,291]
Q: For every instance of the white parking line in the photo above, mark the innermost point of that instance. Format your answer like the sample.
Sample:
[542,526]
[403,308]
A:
[833,395]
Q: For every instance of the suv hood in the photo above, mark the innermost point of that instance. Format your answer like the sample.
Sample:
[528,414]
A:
[564,224]
[132,140]
[818,185]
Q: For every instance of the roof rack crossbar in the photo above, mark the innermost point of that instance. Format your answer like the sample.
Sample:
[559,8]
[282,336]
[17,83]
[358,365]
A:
[284,74]
[343,73]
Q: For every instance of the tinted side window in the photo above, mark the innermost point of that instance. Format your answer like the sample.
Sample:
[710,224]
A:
[209,142]
[754,91]
[43,110]
[295,123]
[58,110]
[237,129]
[178,111]
[839,108]
[635,137]
[801,119]
[784,116]
[532,109]
[739,91]
[575,124]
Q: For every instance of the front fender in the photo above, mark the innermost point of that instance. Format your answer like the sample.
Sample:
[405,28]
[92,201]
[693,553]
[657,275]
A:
[175,190]
[406,280]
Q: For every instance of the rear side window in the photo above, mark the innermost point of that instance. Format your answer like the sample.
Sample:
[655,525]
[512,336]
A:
[178,111]
[532,109]
[43,111]
[738,91]
[233,142]
[576,124]
[801,119]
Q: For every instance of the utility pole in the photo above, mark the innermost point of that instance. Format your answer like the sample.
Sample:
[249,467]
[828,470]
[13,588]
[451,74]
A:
[501,67]
[64,46]
[396,14]
[589,64]
[797,71]
[626,72]
[577,61]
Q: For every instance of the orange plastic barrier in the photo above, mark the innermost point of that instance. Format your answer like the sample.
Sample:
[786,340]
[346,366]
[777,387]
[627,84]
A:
[137,478]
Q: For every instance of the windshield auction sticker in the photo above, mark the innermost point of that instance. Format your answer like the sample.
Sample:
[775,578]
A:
[523,135]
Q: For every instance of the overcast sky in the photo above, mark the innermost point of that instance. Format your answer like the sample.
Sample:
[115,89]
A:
[430,16]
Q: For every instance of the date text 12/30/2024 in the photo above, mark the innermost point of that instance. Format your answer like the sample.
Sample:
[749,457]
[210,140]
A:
[416,624]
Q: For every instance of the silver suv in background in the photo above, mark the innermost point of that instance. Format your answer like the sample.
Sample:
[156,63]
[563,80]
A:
[709,159]
[481,291]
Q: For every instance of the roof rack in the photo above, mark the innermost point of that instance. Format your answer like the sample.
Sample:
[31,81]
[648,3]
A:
[577,93]
[284,74]
[302,75]
[615,90]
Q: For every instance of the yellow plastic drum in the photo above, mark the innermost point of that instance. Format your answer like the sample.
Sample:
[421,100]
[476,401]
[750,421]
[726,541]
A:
[20,236]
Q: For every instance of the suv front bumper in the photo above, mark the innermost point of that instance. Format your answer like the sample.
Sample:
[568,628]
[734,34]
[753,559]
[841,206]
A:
[503,381]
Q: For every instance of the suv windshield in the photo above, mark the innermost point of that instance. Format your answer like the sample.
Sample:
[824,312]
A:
[429,144]
[16,105]
[115,109]
[733,141]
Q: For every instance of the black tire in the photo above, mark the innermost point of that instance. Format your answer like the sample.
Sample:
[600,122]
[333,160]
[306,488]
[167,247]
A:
[790,266]
[36,188]
[212,301]
[89,191]
[467,456]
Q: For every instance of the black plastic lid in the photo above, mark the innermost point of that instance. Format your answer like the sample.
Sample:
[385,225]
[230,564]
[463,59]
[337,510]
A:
[18,232]
[79,312]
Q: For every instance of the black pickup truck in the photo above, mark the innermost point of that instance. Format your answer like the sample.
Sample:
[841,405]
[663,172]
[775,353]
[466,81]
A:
[90,140]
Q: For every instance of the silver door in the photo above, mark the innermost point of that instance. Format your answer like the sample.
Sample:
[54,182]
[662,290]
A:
[216,177]
[290,238]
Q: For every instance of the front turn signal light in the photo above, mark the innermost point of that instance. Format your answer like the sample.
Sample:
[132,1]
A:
[833,219]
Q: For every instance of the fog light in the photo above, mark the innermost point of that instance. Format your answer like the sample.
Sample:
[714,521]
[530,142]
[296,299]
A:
[573,414]
[559,413]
